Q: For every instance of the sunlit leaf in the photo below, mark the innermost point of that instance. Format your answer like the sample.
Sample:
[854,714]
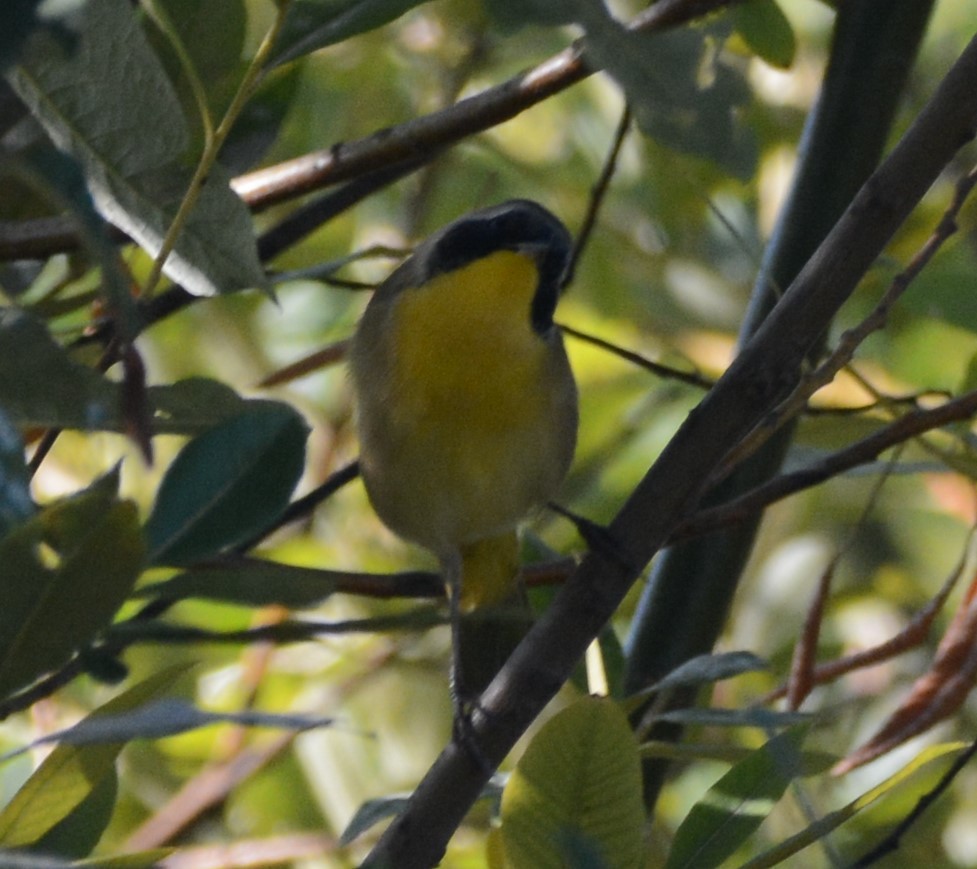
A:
[78,832]
[766,30]
[69,774]
[823,826]
[227,484]
[737,804]
[576,790]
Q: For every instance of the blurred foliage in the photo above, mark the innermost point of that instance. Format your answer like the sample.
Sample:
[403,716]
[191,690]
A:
[667,273]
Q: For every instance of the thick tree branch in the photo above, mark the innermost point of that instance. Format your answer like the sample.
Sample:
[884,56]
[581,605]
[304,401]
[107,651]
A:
[763,373]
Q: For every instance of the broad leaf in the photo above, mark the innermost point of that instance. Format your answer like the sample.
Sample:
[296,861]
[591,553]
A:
[109,103]
[576,792]
[227,485]
[766,30]
[67,572]
[681,94]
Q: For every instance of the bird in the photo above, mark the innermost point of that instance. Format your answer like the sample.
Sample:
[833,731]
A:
[466,406]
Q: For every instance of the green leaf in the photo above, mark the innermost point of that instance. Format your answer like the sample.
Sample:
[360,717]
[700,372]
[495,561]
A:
[67,572]
[70,774]
[18,19]
[766,31]
[109,104]
[227,485]
[41,386]
[762,718]
[510,15]
[16,504]
[59,177]
[251,583]
[682,94]
[777,855]
[706,669]
[575,794]
[78,832]
[314,24]
[161,718]
[373,811]
[737,804]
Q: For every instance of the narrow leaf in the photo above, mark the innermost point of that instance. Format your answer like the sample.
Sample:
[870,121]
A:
[576,790]
[705,669]
[777,855]
[737,804]
[314,24]
[762,718]
[69,774]
[161,718]
[252,583]
[227,484]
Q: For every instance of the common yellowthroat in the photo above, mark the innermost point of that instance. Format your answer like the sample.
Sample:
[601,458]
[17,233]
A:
[467,407]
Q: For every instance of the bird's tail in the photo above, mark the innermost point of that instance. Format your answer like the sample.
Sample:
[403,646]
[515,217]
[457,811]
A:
[495,611]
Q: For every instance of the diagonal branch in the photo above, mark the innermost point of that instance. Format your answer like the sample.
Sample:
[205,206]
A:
[764,373]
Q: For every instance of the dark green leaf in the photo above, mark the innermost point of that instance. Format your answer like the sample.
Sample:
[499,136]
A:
[68,570]
[227,484]
[69,774]
[682,95]
[766,30]
[161,718]
[373,811]
[19,18]
[41,386]
[314,24]
[512,14]
[16,504]
[59,177]
[737,804]
[111,106]
[705,669]
[762,718]
[252,583]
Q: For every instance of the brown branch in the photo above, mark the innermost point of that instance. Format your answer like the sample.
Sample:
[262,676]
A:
[414,142]
[862,452]
[852,339]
